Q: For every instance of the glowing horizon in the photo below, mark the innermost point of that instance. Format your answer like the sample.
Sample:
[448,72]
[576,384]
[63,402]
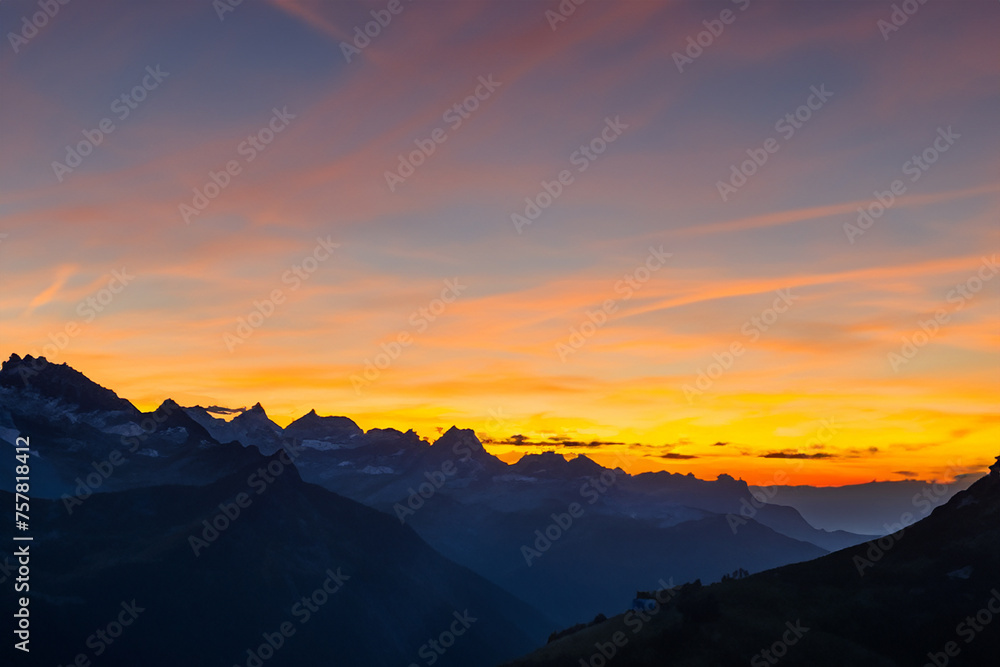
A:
[601,243]
[704,460]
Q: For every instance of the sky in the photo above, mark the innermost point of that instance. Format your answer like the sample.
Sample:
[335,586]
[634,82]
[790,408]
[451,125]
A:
[755,238]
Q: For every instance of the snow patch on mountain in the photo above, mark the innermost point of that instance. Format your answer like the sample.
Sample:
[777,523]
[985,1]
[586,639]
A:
[322,445]
[129,429]
[513,477]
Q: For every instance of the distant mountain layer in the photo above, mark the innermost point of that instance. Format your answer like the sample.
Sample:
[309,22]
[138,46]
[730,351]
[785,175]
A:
[866,508]
[213,553]
[217,569]
[539,528]
[498,519]
[928,594]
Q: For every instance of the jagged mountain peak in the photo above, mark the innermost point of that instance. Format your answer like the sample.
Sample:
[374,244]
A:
[550,458]
[60,381]
[313,417]
[456,437]
[729,481]
[585,465]
[169,404]
[455,432]
[255,415]
[409,439]
[312,426]
[552,464]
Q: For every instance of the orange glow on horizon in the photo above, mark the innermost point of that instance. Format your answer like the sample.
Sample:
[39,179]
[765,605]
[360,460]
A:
[773,336]
[843,447]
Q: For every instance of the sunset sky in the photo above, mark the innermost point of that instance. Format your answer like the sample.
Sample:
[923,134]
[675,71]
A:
[676,270]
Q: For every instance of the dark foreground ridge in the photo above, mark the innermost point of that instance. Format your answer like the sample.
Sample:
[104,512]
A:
[173,537]
[244,567]
[928,594]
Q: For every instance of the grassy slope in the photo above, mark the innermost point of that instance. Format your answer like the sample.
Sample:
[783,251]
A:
[904,606]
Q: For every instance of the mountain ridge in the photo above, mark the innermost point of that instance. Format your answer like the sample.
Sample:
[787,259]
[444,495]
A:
[925,594]
[470,506]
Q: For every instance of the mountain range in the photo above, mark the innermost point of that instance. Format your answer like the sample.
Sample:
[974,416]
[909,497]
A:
[431,535]
[926,594]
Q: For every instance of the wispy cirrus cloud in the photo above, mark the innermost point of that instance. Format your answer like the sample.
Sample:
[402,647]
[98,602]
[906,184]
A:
[325,175]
